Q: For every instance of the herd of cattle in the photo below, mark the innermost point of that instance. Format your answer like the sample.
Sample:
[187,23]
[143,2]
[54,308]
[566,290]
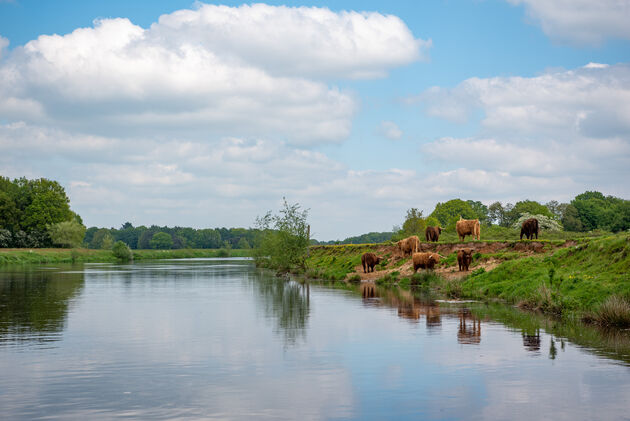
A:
[428,260]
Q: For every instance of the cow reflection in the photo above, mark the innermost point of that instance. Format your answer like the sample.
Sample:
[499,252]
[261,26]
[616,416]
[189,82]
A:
[368,290]
[531,342]
[468,333]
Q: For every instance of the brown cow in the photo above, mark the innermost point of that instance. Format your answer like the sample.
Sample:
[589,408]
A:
[530,228]
[409,245]
[424,260]
[466,227]
[464,259]
[433,233]
[369,260]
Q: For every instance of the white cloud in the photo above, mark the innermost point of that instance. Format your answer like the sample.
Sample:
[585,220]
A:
[215,71]
[592,101]
[583,22]
[390,130]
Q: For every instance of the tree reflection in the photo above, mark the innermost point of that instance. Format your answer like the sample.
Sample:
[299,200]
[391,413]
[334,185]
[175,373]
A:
[34,304]
[287,302]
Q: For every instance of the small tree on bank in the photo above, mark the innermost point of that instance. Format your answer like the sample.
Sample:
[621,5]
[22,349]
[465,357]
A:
[283,243]
[67,233]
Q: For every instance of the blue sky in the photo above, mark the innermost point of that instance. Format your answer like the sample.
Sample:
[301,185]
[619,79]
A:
[205,119]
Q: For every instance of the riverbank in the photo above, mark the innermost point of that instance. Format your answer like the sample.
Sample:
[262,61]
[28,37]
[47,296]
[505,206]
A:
[56,255]
[563,277]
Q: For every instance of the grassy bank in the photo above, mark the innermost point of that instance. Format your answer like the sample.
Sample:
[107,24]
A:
[587,277]
[34,256]
[579,278]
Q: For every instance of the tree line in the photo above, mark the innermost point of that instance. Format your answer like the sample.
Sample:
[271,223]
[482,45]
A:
[156,237]
[588,211]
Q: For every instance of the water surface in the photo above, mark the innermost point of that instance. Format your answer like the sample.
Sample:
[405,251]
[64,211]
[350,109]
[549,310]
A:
[219,339]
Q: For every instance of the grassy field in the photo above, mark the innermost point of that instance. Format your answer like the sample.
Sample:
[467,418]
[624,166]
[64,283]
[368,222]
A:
[584,276]
[56,255]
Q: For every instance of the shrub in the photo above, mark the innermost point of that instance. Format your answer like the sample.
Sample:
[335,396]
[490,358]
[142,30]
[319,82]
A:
[223,253]
[122,251]
[615,311]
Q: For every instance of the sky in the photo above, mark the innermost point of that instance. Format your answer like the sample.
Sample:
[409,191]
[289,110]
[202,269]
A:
[209,114]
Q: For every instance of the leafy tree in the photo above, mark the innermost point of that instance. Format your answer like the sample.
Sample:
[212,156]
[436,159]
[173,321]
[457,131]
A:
[481,211]
[621,220]
[122,251]
[243,244]
[48,205]
[102,240]
[449,212]
[496,214]
[571,219]
[414,223]
[144,241]
[207,239]
[529,206]
[161,241]
[284,238]
[9,213]
[67,233]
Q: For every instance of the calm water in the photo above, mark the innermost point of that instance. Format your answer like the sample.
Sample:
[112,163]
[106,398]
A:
[218,339]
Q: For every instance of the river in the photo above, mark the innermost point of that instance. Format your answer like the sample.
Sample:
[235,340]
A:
[220,339]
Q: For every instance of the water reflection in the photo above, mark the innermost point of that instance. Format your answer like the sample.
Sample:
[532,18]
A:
[411,305]
[287,302]
[468,333]
[531,341]
[34,304]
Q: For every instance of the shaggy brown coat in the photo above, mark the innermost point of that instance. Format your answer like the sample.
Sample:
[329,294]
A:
[369,260]
[530,228]
[464,259]
[409,245]
[425,260]
[466,227]
[433,233]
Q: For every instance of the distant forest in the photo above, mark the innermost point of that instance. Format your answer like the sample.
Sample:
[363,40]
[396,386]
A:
[36,213]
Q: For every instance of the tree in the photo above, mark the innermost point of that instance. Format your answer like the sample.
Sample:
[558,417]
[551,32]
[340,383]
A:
[449,212]
[496,213]
[207,239]
[481,211]
[67,233]
[571,219]
[122,251]
[284,238]
[102,240]
[144,241]
[161,241]
[242,244]
[414,223]
[48,205]
[9,213]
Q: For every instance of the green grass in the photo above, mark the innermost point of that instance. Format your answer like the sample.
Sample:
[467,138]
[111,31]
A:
[35,256]
[578,278]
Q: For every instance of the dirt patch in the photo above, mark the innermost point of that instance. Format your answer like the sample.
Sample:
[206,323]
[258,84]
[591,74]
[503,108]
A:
[450,272]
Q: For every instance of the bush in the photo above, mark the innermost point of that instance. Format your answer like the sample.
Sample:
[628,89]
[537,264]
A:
[122,251]
[283,242]
[615,311]
[223,253]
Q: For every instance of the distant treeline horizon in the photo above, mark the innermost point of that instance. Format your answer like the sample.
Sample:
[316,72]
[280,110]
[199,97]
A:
[36,213]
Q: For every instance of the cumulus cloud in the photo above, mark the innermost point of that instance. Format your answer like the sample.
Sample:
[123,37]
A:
[552,134]
[583,22]
[591,101]
[214,71]
[390,130]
